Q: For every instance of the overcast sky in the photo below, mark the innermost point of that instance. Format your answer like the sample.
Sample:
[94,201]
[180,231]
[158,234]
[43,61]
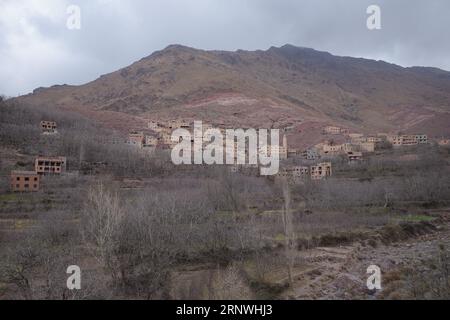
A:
[37,49]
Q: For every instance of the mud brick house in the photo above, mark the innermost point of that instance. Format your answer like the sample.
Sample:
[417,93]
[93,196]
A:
[294,173]
[396,141]
[408,140]
[332,130]
[50,165]
[422,138]
[298,171]
[311,154]
[24,181]
[48,126]
[321,171]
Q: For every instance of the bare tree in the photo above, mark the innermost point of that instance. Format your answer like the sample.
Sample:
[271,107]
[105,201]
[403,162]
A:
[102,218]
[229,284]
[18,267]
[289,235]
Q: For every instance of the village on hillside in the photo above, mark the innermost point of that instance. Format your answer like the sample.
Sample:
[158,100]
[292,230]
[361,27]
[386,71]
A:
[316,160]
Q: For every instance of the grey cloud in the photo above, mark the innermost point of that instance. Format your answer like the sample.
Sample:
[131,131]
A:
[115,33]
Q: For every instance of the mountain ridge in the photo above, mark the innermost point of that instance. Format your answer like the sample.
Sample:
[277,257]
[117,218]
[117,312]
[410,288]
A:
[252,88]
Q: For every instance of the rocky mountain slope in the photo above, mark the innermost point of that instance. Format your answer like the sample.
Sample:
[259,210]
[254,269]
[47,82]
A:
[279,86]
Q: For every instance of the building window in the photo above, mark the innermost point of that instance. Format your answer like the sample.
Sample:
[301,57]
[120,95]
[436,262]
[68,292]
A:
[27,186]
[18,178]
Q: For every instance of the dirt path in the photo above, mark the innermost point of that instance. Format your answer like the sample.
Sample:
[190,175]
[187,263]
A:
[340,272]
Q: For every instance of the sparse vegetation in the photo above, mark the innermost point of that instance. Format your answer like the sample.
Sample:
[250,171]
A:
[243,236]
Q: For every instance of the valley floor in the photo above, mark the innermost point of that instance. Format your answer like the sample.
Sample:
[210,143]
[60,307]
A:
[407,267]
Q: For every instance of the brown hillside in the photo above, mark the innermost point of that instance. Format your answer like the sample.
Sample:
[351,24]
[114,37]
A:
[257,88]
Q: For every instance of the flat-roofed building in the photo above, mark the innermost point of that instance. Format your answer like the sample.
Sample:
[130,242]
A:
[321,171]
[24,181]
[311,154]
[48,126]
[294,173]
[50,165]
[422,138]
[332,130]
[409,140]
[396,141]
[299,171]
